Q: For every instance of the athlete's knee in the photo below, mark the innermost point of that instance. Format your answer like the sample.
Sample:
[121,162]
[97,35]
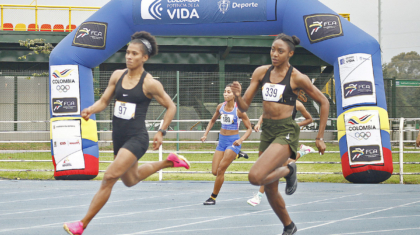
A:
[221,170]
[214,172]
[109,179]
[254,178]
[129,183]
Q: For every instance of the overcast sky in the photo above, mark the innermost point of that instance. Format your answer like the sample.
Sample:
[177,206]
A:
[400,26]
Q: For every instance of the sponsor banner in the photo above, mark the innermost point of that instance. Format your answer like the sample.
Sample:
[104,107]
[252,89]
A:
[366,154]
[74,161]
[91,35]
[67,143]
[320,27]
[199,11]
[65,90]
[363,131]
[357,79]
[407,83]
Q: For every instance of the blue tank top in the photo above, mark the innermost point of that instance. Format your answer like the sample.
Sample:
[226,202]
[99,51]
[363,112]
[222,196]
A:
[229,120]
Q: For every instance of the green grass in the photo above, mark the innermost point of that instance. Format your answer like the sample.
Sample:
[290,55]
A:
[330,157]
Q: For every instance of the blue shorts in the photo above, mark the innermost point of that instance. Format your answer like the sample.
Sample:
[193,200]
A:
[226,142]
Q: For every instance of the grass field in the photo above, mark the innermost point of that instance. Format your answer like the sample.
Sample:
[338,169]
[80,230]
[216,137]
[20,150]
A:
[329,157]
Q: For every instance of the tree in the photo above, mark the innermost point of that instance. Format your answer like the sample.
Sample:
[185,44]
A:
[405,66]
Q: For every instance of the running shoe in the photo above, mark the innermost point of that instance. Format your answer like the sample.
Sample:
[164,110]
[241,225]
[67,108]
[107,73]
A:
[291,179]
[256,200]
[242,154]
[210,201]
[291,231]
[178,160]
[307,149]
[75,228]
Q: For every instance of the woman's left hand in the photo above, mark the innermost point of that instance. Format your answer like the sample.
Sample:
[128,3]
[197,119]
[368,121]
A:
[321,146]
[237,142]
[157,140]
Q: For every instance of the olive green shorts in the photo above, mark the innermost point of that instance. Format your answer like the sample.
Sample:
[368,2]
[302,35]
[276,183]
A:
[284,131]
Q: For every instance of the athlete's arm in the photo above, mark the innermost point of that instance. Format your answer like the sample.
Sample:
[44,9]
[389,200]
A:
[302,81]
[155,89]
[248,126]
[305,113]
[211,123]
[418,140]
[244,102]
[106,97]
[257,127]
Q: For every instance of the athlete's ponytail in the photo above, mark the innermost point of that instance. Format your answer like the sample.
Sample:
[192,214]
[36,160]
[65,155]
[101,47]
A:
[147,40]
[292,41]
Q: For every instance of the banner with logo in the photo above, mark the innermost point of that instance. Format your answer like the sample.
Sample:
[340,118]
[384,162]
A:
[65,90]
[320,27]
[91,35]
[200,11]
[67,145]
[363,131]
[357,79]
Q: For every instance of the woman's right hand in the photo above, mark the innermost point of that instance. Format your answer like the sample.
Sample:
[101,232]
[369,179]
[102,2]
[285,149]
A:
[257,127]
[203,138]
[86,113]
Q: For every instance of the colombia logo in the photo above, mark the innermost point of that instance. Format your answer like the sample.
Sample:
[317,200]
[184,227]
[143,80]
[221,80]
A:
[62,74]
[363,120]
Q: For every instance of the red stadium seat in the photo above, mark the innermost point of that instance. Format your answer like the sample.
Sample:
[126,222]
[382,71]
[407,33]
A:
[45,28]
[8,27]
[70,28]
[33,27]
[58,28]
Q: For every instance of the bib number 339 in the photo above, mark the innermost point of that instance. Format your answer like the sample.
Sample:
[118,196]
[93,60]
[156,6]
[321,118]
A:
[272,92]
[124,110]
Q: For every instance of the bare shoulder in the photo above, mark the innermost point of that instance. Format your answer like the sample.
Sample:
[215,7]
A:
[152,85]
[116,75]
[219,106]
[299,79]
[260,71]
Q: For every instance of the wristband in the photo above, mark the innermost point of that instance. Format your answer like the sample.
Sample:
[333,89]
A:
[319,139]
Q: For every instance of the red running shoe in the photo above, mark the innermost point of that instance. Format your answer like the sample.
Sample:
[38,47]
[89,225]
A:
[75,228]
[178,160]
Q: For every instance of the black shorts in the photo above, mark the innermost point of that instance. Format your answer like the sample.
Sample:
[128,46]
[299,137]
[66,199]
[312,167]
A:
[136,144]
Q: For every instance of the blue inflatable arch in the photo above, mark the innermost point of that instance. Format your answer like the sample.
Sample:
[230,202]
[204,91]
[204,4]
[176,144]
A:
[363,129]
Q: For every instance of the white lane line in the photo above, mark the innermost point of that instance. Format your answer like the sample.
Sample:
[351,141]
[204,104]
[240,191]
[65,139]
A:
[85,205]
[379,231]
[232,216]
[349,218]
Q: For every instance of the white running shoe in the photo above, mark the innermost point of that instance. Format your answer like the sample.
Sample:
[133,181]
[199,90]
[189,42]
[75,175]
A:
[255,200]
[307,149]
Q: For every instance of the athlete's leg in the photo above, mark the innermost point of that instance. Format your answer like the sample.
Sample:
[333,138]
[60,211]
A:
[124,161]
[217,158]
[269,166]
[138,173]
[227,159]
[277,203]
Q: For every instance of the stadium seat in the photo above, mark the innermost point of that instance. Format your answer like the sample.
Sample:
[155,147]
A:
[68,29]
[20,27]
[58,28]
[8,27]
[33,27]
[45,28]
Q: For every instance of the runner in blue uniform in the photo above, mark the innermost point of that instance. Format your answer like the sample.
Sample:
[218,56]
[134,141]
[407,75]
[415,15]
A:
[133,89]
[229,140]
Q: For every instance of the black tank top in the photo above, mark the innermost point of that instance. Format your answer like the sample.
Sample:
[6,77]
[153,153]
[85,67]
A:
[288,98]
[135,96]
[294,112]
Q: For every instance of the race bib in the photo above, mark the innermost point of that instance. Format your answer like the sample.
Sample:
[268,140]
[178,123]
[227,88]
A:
[226,119]
[272,92]
[124,110]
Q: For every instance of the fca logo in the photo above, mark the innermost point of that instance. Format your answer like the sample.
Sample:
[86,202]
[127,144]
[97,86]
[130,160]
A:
[151,9]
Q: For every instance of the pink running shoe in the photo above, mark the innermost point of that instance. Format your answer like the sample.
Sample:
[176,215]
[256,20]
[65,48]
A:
[178,160]
[75,228]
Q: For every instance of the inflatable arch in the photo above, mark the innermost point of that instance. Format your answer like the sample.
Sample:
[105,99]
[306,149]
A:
[363,127]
